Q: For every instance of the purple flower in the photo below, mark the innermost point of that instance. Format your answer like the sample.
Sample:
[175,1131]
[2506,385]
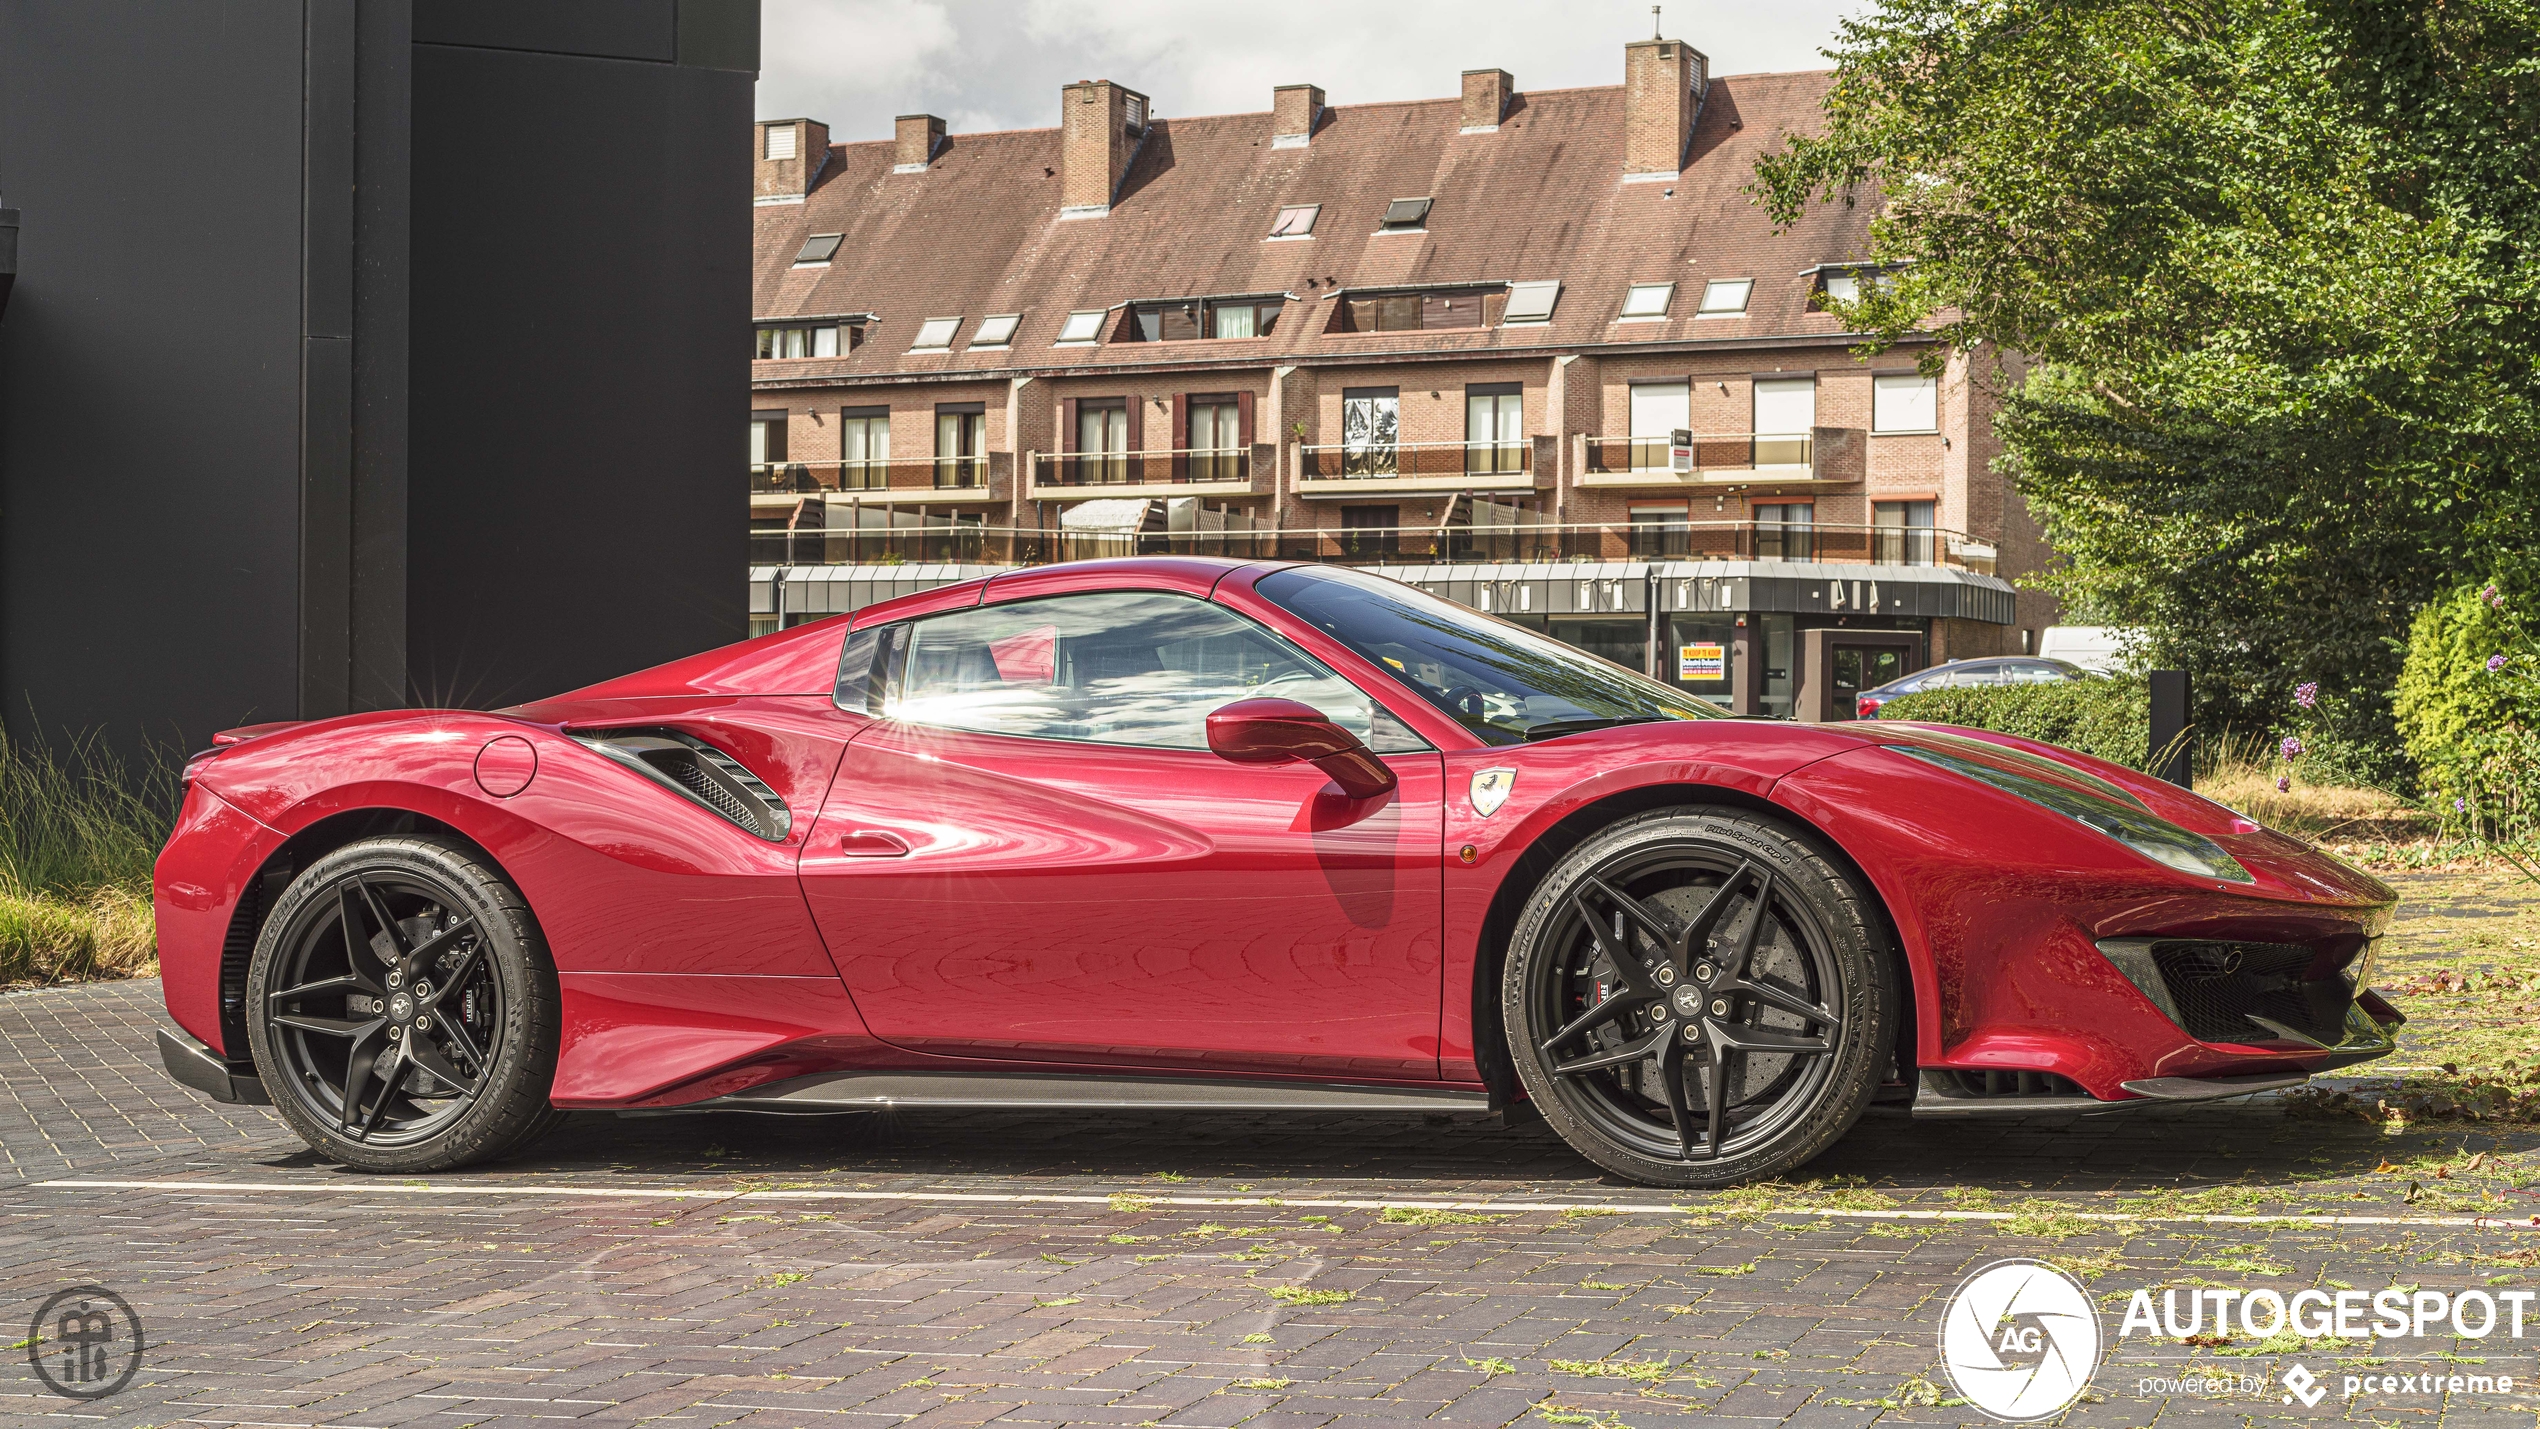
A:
[2306,694]
[2490,596]
[2292,749]
[2460,806]
[2284,783]
[2495,663]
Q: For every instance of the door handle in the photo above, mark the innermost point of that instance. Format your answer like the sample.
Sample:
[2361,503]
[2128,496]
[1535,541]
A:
[872,843]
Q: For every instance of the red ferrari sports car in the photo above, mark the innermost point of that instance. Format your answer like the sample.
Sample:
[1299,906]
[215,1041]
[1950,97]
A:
[1185,833]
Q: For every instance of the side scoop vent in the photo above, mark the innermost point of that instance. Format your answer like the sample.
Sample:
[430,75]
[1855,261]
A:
[700,773]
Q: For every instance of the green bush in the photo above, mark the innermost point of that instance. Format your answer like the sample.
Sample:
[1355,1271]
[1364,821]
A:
[79,830]
[2448,697]
[2111,719]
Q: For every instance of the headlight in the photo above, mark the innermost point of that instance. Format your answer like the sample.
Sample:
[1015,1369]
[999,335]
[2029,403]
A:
[2162,842]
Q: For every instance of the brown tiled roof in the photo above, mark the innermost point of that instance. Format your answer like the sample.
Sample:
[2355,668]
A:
[979,232]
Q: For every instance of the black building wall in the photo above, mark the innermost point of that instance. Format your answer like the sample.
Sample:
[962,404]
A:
[366,352]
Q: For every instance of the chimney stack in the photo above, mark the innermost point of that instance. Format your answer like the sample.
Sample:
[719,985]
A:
[1663,82]
[919,136]
[789,158]
[1486,94]
[1294,111]
[1100,126]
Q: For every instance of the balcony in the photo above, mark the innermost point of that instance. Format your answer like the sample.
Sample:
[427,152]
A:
[777,485]
[1181,471]
[1715,458]
[1395,468]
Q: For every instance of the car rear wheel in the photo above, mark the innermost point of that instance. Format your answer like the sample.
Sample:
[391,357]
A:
[403,1010]
[1698,997]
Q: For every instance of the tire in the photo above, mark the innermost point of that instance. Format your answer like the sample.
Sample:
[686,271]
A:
[1617,1037]
[451,992]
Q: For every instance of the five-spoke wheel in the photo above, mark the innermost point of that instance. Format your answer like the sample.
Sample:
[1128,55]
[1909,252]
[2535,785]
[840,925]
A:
[403,1013]
[1695,997]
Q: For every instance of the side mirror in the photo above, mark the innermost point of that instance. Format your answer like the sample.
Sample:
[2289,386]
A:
[1275,731]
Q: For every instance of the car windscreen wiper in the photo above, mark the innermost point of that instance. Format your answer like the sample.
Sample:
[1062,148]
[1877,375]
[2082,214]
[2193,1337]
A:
[1555,728]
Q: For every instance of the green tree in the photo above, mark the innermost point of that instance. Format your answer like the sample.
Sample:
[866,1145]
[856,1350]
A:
[2269,273]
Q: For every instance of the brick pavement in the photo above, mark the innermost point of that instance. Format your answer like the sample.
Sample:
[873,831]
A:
[829,1272]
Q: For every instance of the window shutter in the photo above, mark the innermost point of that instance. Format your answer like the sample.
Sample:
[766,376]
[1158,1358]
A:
[1181,436]
[1067,424]
[1243,420]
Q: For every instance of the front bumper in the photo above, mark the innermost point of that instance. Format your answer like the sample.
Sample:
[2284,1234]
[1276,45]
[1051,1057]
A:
[194,1065]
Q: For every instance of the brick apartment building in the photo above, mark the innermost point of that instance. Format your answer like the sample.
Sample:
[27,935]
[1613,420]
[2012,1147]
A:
[1538,352]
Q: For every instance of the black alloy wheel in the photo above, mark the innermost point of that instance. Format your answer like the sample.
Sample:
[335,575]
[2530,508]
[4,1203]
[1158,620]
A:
[1698,997]
[403,1011]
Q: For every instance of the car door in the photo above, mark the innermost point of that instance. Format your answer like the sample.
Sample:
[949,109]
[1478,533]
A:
[1033,855]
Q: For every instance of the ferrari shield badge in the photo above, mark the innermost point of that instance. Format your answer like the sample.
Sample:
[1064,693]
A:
[1490,790]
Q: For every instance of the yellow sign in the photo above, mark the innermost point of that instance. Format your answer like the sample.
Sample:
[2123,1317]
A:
[1702,662]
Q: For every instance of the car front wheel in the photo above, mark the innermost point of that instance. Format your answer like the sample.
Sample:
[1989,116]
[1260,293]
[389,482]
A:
[1698,997]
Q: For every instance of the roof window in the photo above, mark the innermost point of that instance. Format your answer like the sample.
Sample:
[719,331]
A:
[995,331]
[1296,221]
[819,248]
[1648,300]
[936,333]
[1725,297]
[1406,215]
[1531,302]
[1082,327]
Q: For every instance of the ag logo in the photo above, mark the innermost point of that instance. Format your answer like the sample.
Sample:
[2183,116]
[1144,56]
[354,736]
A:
[2019,1340]
[85,1343]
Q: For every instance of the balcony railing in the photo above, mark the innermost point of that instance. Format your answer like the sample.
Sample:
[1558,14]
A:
[1395,459]
[1160,467]
[811,478]
[1709,452]
[941,538]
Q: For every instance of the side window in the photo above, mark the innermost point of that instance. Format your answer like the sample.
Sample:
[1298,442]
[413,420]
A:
[1116,667]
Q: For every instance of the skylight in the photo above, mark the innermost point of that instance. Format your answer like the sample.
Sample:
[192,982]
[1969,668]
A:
[1296,221]
[1725,297]
[1648,300]
[1531,302]
[995,331]
[1082,327]
[1406,215]
[819,248]
[938,332]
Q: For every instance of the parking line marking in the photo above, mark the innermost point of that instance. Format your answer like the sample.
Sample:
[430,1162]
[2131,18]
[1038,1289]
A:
[1051,1198]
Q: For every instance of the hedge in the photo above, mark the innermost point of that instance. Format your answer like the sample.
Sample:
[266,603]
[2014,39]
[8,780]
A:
[2111,719]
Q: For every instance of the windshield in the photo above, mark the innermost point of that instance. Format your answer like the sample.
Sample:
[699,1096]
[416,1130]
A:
[1503,682]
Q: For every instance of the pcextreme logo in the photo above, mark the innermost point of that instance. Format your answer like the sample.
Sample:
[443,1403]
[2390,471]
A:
[2019,1340]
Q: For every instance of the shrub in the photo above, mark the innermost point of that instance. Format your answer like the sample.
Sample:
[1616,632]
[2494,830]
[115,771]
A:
[2448,695]
[2110,719]
[79,830]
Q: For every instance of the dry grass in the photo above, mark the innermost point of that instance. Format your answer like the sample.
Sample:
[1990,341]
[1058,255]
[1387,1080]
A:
[2319,813]
[46,938]
[79,829]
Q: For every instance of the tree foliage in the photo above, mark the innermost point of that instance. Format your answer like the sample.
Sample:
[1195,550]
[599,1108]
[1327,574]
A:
[2269,270]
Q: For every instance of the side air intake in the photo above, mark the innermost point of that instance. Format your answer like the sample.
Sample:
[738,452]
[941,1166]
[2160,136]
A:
[700,773]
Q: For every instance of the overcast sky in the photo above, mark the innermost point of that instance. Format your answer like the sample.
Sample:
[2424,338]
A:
[998,64]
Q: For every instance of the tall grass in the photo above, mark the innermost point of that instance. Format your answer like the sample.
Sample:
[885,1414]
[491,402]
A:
[79,829]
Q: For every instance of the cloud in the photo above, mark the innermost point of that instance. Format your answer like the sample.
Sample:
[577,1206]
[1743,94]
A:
[999,64]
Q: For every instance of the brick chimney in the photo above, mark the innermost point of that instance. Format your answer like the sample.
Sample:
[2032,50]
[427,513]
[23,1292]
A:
[1486,94]
[1100,126]
[1663,81]
[789,157]
[1294,111]
[919,136]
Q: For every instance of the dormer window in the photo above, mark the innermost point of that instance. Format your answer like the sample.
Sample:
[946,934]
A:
[1248,316]
[1296,221]
[1648,300]
[935,334]
[1426,310]
[1083,327]
[1406,215]
[818,249]
[995,331]
[1850,282]
[1725,297]
[824,337]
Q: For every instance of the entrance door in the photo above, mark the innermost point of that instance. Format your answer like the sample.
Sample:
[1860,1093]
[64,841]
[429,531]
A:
[1033,855]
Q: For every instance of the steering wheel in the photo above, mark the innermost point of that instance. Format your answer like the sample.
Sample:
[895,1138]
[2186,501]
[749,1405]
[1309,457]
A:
[1468,702]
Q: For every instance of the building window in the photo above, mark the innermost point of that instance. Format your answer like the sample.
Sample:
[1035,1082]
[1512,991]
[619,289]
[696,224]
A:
[864,449]
[768,468]
[1215,439]
[1406,215]
[1659,411]
[1102,440]
[1082,327]
[1901,533]
[1786,532]
[1368,531]
[1660,531]
[1785,419]
[1725,297]
[1648,300]
[1904,402]
[1413,312]
[809,340]
[997,331]
[1495,427]
[1530,303]
[961,445]
[1201,317]
[935,333]
[818,249]
[1371,429]
[780,141]
[1296,221]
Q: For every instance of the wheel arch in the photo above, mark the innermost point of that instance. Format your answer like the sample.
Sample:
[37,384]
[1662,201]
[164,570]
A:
[1490,1032]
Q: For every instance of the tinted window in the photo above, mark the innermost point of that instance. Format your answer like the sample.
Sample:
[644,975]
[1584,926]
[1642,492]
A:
[1504,683]
[1117,667]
